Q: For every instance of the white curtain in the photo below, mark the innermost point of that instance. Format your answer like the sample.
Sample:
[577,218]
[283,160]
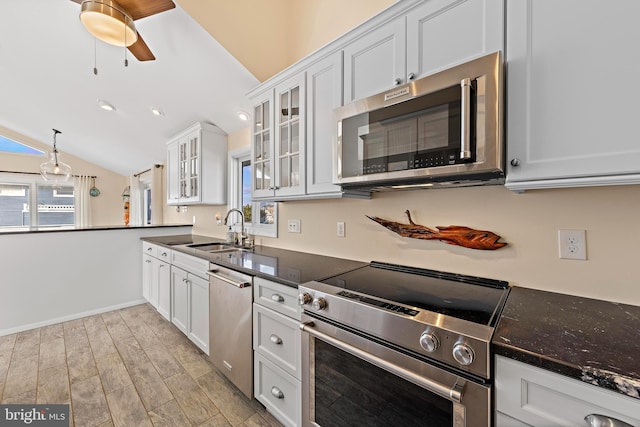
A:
[136,202]
[82,186]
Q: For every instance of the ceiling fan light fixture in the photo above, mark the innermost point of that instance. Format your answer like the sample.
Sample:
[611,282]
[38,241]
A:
[107,21]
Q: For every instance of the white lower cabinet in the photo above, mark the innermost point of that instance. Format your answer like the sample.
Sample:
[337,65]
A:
[190,298]
[276,345]
[156,278]
[278,391]
[529,396]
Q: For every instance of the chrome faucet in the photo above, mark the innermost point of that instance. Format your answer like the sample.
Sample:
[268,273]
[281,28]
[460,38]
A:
[242,235]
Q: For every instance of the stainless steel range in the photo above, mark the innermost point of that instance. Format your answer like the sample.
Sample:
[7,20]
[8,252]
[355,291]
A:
[392,345]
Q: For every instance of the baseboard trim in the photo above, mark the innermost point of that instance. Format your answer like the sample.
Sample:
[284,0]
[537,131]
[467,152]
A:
[70,317]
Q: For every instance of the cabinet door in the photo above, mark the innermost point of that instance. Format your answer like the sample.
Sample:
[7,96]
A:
[324,95]
[572,103]
[290,99]
[173,174]
[147,276]
[262,150]
[199,312]
[180,299]
[375,62]
[192,177]
[442,33]
[164,289]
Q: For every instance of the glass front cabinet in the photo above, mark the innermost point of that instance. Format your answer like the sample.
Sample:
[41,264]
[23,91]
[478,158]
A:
[195,157]
[278,142]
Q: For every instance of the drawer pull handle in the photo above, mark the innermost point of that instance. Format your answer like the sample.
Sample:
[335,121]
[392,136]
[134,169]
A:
[597,420]
[277,393]
[149,249]
[147,260]
[164,254]
[277,298]
[275,339]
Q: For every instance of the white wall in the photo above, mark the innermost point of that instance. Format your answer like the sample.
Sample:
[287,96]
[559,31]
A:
[53,277]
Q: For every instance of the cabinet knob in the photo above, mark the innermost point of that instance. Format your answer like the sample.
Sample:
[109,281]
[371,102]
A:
[397,81]
[275,339]
[277,393]
[515,162]
[411,76]
[277,298]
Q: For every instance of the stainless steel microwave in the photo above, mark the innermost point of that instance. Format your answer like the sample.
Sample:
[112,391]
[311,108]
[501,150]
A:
[442,130]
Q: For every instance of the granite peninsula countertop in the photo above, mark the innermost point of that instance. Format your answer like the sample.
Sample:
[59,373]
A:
[290,268]
[597,342]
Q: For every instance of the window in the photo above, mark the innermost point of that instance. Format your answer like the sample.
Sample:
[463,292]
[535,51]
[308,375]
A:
[19,194]
[10,146]
[261,217]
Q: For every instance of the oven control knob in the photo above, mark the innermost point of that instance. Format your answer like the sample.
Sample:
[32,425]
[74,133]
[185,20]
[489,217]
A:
[304,298]
[319,303]
[429,341]
[463,354]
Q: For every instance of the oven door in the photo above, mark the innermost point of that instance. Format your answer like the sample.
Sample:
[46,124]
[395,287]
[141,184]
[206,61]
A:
[350,380]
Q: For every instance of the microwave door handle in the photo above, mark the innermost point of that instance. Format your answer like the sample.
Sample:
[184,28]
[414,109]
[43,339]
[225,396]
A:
[465,126]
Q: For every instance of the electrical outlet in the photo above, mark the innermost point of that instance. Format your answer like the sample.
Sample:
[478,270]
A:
[340,229]
[293,226]
[572,244]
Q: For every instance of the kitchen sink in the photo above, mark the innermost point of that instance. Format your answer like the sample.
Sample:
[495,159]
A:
[212,247]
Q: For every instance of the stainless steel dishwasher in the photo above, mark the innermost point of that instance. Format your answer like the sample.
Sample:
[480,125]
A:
[230,299]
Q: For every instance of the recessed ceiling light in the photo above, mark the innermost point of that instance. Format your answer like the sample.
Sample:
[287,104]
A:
[105,105]
[243,116]
[157,111]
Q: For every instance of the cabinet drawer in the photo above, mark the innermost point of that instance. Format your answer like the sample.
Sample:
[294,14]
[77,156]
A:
[192,264]
[163,253]
[278,391]
[538,397]
[149,248]
[277,337]
[278,297]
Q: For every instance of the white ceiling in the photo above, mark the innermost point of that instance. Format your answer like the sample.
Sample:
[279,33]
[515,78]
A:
[47,81]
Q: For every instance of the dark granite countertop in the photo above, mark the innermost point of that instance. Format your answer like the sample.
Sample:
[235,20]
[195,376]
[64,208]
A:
[290,268]
[91,228]
[594,341]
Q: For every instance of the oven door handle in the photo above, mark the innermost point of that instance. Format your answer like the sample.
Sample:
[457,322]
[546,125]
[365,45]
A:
[451,393]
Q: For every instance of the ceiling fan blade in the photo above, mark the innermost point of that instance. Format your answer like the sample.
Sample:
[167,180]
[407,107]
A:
[141,51]
[139,9]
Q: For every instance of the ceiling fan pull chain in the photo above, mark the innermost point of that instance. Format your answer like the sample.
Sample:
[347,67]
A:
[95,56]
[126,62]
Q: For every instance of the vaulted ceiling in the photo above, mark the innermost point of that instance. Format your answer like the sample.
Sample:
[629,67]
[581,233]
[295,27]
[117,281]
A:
[47,60]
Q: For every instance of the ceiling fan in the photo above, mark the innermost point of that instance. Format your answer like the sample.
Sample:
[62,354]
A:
[112,22]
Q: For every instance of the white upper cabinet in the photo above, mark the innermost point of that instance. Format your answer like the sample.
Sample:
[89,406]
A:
[572,97]
[443,33]
[433,36]
[324,95]
[376,61]
[289,155]
[278,150]
[197,166]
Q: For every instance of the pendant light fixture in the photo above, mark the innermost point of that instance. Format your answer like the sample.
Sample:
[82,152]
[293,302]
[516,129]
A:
[55,170]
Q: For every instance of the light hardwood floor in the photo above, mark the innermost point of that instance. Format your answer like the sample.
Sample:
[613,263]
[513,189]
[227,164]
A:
[127,367]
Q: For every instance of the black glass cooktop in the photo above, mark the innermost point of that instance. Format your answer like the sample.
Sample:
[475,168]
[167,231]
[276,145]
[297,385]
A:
[475,299]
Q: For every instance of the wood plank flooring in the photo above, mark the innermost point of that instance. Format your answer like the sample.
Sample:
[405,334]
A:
[125,368]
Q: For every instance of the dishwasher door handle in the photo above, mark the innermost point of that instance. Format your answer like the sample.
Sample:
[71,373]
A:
[238,284]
